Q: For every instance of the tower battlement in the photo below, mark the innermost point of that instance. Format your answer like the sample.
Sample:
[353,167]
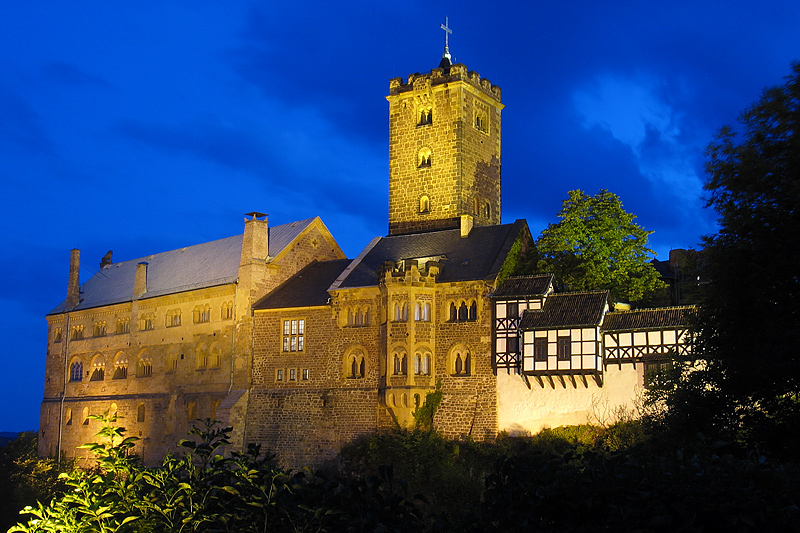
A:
[439,76]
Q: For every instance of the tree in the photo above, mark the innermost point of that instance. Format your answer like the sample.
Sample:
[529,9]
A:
[750,318]
[597,246]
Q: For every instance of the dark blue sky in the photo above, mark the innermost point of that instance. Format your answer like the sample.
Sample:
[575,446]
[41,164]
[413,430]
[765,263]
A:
[147,126]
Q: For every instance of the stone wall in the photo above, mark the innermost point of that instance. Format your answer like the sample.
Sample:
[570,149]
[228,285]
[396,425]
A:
[559,401]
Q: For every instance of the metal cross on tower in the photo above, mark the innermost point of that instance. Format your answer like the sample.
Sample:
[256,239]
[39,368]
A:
[447,33]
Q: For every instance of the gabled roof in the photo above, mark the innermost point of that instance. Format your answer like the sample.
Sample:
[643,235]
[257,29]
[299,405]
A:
[537,285]
[658,318]
[478,256]
[195,267]
[567,310]
[307,288]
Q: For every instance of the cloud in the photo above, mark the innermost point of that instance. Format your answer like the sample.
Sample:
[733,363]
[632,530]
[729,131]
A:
[22,125]
[635,113]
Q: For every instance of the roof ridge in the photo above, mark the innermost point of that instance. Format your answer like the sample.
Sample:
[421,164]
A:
[181,248]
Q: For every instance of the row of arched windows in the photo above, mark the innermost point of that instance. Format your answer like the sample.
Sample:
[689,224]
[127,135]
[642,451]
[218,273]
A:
[463,311]
[205,357]
[69,416]
[422,311]
[357,316]
[422,364]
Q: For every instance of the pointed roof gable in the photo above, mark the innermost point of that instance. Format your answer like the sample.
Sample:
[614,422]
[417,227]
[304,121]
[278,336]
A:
[195,267]
[478,256]
[574,309]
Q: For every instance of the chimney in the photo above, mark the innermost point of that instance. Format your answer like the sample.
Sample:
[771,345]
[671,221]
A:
[255,241]
[74,285]
[140,281]
[466,225]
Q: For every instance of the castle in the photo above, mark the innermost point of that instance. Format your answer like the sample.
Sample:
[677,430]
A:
[278,335]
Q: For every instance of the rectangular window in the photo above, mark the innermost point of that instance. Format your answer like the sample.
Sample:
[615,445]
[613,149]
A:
[564,348]
[294,335]
[292,374]
[123,326]
[306,374]
[512,344]
[540,349]
[512,310]
[279,375]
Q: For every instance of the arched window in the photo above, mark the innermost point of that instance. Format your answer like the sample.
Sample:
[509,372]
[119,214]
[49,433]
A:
[424,158]
[463,313]
[400,364]
[140,413]
[426,312]
[417,364]
[453,312]
[426,364]
[144,368]
[120,366]
[424,204]
[215,358]
[85,416]
[201,356]
[356,365]
[201,313]
[68,417]
[473,310]
[425,116]
[76,371]
[460,361]
[98,370]
[191,412]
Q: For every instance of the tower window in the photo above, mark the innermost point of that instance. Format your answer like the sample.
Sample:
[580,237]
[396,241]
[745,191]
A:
[425,116]
[481,118]
[424,158]
[424,204]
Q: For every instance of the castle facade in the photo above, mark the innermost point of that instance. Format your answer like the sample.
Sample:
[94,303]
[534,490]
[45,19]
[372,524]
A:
[278,335]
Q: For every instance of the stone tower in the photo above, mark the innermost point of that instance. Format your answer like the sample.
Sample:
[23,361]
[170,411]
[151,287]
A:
[444,150]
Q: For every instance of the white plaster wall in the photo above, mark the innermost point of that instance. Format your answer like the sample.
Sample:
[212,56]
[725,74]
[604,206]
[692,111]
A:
[522,410]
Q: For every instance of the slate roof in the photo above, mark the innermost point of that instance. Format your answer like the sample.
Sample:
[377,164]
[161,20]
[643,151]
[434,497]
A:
[567,310]
[478,256]
[307,288]
[658,318]
[523,286]
[203,265]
